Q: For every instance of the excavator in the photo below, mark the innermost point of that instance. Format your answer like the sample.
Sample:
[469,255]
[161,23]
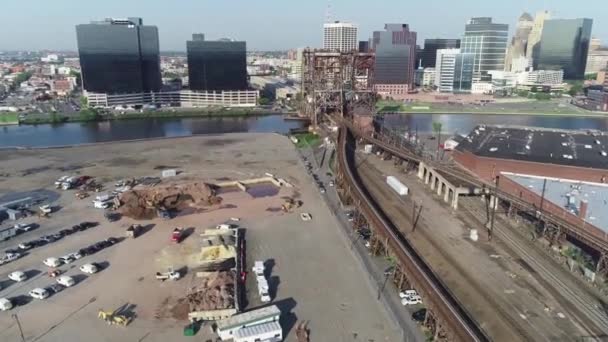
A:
[112,318]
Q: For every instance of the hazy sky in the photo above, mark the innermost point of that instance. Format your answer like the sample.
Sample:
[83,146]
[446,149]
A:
[268,24]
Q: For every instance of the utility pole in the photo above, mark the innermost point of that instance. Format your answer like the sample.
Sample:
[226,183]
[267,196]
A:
[416,216]
[19,326]
[494,205]
[542,197]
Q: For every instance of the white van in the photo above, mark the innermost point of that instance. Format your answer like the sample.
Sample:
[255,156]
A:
[17,276]
[66,281]
[226,226]
[89,268]
[52,262]
[5,304]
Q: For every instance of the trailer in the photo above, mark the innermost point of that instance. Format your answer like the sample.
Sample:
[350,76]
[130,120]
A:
[7,233]
[396,185]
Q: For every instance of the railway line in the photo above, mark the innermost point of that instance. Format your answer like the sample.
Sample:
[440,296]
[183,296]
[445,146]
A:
[599,243]
[580,303]
[457,322]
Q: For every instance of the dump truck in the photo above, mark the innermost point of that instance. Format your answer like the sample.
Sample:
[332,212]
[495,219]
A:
[133,231]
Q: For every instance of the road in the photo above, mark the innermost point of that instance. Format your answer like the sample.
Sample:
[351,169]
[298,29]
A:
[373,266]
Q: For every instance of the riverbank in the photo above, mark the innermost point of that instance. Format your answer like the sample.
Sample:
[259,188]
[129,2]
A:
[556,107]
[9,119]
[37,119]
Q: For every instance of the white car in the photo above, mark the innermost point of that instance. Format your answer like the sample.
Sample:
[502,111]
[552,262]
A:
[305,217]
[17,276]
[66,259]
[25,227]
[226,226]
[75,255]
[89,268]
[39,293]
[66,281]
[5,304]
[411,301]
[52,262]
[408,293]
[331,183]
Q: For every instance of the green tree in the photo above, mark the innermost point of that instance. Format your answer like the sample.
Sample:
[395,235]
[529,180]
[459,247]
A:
[263,101]
[575,88]
[84,102]
[534,89]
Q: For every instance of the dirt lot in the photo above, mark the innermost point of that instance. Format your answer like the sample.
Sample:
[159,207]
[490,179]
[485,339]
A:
[313,274]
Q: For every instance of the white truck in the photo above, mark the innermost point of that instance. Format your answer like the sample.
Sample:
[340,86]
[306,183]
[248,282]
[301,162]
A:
[263,289]
[258,268]
[60,181]
[7,233]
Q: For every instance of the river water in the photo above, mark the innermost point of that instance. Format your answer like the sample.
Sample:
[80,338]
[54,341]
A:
[78,133]
[92,132]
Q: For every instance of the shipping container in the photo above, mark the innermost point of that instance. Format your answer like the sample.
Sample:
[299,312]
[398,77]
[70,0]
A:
[396,185]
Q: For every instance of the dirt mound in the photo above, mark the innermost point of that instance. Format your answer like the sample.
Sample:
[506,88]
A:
[142,204]
[216,292]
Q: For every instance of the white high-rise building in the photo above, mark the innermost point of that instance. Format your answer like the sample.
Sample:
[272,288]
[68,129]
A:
[444,69]
[340,36]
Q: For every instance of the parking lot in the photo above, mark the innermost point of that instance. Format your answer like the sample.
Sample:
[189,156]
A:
[313,275]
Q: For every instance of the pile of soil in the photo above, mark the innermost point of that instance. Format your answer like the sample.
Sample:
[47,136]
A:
[142,204]
[216,292]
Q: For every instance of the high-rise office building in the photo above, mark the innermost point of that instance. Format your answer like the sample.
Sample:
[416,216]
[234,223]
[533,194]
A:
[428,55]
[395,49]
[487,42]
[340,36]
[564,45]
[216,65]
[454,71]
[536,33]
[119,56]
[519,43]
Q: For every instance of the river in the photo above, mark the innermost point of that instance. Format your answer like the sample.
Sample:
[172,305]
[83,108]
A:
[79,133]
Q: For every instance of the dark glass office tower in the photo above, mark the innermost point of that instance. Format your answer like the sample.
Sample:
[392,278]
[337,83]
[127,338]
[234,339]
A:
[395,49]
[463,72]
[487,41]
[428,55]
[119,56]
[216,65]
[564,44]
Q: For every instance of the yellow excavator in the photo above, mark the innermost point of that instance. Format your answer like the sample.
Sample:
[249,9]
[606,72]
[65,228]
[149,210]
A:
[112,318]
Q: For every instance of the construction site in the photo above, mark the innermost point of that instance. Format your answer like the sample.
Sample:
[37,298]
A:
[186,218]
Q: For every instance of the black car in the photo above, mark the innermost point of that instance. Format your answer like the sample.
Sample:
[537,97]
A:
[112,240]
[66,232]
[83,251]
[57,236]
[13,251]
[54,288]
[37,243]
[364,233]
[103,244]
[419,315]
[87,225]
[48,238]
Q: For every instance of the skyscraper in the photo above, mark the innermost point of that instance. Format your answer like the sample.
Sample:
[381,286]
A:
[444,69]
[429,53]
[564,45]
[487,41]
[519,42]
[536,33]
[395,49]
[340,36]
[216,65]
[119,56]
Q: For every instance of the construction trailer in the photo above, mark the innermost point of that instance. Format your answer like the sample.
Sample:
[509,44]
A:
[255,325]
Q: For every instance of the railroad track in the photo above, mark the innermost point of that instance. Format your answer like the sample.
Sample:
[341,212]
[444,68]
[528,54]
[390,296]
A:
[459,323]
[502,310]
[578,301]
[466,177]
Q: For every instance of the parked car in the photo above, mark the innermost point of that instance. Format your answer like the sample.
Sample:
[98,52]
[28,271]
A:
[57,236]
[89,268]
[88,225]
[17,276]
[66,259]
[66,281]
[112,240]
[52,262]
[39,293]
[419,315]
[25,227]
[5,304]
[66,232]
[48,238]
[55,288]
[25,246]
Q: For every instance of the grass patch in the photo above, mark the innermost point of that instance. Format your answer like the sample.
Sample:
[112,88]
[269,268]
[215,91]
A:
[9,118]
[307,140]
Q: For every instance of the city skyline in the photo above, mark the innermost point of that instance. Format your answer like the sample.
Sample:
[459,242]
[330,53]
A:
[301,25]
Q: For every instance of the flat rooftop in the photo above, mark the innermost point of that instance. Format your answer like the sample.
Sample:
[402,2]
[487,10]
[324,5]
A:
[568,194]
[583,148]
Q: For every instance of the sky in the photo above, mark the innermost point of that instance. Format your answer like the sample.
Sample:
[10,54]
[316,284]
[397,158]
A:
[269,24]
